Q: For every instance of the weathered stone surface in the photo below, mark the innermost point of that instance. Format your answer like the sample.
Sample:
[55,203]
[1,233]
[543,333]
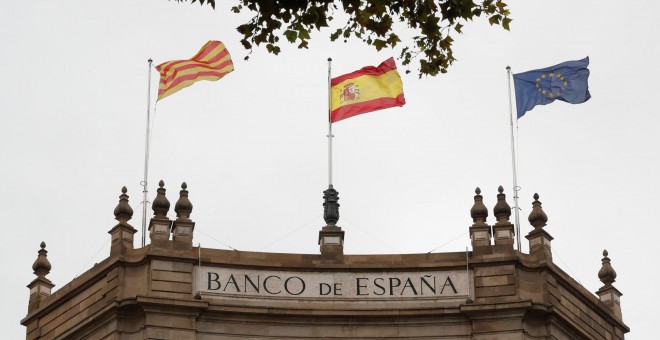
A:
[150,294]
[170,290]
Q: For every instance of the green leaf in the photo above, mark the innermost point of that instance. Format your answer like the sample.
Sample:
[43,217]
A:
[335,35]
[505,23]
[244,29]
[393,39]
[201,2]
[290,35]
[495,19]
[246,44]
[500,5]
[379,44]
[258,39]
[286,17]
[304,34]
[445,43]
[429,45]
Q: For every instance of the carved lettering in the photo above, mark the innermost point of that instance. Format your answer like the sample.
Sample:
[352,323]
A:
[338,289]
[407,285]
[392,285]
[255,287]
[286,285]
[450,284]
[322,286]
[232,280]
[382,292]
[213,277]
[266,285]
[423,283]
[359,286]
[364,285]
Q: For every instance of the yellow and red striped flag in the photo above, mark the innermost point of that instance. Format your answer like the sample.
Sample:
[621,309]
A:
[368,89]
[212,62]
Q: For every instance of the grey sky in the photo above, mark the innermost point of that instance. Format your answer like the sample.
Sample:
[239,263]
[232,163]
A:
[252,146]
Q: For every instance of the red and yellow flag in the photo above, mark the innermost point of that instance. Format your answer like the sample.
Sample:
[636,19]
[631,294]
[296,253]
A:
[212,62]
[368,89]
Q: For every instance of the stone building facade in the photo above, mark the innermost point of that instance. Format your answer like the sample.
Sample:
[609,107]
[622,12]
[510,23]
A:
[170,289]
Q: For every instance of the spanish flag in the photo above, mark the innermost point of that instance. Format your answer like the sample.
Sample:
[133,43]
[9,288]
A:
[368,89]
[212,62]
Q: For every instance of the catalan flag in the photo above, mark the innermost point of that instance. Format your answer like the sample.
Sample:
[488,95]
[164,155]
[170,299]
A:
[212,62]
[368,89]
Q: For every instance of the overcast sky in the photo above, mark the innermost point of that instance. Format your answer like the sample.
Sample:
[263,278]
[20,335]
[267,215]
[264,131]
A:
[253,151]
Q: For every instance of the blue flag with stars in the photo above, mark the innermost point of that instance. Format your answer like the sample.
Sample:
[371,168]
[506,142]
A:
[566,82]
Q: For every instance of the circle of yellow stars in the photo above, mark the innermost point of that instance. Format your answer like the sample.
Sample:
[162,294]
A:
[549,93]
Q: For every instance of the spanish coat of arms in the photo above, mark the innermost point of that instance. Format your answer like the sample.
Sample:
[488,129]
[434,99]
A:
[350,93]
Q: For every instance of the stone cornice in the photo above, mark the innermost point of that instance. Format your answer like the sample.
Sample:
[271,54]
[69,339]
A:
[313,262]
[575,288]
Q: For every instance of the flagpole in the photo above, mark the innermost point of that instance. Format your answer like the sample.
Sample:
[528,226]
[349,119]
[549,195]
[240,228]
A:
[329,123]
[513,163]
[145,192]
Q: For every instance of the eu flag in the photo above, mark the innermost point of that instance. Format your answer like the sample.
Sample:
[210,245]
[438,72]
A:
[566,81]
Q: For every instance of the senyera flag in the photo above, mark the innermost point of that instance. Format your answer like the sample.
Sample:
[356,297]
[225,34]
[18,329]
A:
[368,89]
[212,62]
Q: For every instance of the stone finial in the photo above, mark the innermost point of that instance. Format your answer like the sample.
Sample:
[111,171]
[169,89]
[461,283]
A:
[123,211]
[606,274]
[537,218]
[503,230]
[122,233]
[331,206]
[539,239]
[183,227]
[161,205]
[183,207]
[41,286]
[41,265]
[480,232]
[502,210]
[608,294]
[479,212]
